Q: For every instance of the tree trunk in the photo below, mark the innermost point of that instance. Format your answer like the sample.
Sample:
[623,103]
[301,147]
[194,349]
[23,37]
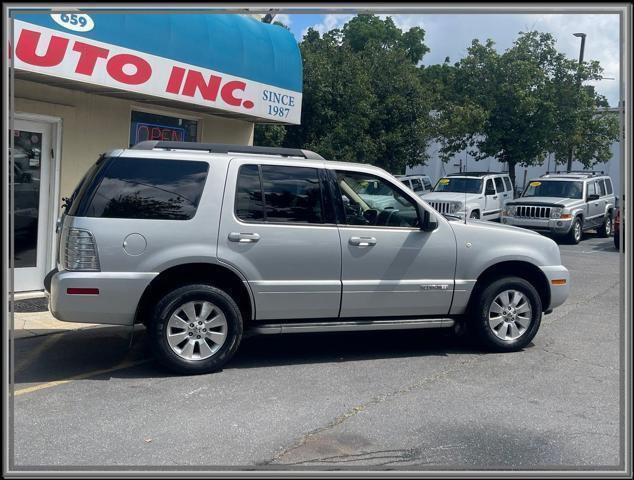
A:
[511,166]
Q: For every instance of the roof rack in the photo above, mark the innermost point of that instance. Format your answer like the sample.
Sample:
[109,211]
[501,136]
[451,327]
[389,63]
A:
[585,173]
[474,174]
[227,148]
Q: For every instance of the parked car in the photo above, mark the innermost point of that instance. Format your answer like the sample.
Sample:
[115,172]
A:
[421,184]
[479,195]
[565,205]
[205,243]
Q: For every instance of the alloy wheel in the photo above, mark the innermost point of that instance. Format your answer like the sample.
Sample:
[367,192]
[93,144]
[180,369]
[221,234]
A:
[510,315]
[196,330]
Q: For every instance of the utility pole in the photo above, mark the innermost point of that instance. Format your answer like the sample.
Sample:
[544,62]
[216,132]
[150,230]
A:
[581,50]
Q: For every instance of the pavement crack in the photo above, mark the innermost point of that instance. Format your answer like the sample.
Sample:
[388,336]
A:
[376,400]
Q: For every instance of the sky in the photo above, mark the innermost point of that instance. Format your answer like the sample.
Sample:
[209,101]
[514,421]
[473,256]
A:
[449,35]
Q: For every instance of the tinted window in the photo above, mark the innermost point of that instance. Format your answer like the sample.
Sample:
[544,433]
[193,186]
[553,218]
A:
[507,183]
[249,204]
[427,183]
[601,186]
[499,184]
[608,185]
[369,200]
[489,190]
[291,194]
[417,185]
[149,189]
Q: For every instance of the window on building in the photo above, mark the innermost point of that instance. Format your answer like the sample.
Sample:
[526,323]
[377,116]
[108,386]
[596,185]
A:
[151,126]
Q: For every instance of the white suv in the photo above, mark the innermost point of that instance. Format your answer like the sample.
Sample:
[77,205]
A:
[480,195]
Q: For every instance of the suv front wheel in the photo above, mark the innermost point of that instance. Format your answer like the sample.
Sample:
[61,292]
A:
[509,312]
[576,231]
[195,329]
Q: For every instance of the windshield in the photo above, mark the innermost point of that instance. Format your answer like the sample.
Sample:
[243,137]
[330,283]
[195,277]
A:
[459,184]
[551,188]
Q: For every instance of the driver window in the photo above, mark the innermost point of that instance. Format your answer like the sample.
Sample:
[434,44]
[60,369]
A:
[371,201]
[489,189]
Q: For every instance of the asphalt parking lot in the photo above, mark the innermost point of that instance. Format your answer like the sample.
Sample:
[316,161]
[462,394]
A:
[397,400]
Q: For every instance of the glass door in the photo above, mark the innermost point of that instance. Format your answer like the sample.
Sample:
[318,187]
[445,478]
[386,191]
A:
[31,191]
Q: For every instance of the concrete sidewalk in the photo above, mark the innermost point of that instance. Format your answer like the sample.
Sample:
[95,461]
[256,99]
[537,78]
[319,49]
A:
[30,324]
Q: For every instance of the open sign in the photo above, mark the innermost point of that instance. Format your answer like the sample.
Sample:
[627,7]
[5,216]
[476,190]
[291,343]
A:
[149,131]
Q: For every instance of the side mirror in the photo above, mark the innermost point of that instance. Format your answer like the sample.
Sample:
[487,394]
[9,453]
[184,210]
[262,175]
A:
[592,197]
[426,220]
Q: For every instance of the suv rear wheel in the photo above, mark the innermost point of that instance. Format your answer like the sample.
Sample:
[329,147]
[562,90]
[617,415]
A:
[195,329]
[508,314]
[605,230]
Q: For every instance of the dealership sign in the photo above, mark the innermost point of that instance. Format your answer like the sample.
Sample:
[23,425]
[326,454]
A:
[67,55]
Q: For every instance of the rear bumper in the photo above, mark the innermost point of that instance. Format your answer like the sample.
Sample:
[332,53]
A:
[548,225]
[115,304]
[558,293]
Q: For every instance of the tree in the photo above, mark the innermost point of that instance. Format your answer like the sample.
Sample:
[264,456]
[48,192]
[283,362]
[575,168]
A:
[519,105]
[362,98]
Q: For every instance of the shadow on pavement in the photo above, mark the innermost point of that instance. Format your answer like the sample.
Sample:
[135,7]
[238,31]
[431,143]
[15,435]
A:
[62,356]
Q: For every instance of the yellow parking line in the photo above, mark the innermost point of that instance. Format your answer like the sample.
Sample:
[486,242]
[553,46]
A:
[34,354]
[120,366]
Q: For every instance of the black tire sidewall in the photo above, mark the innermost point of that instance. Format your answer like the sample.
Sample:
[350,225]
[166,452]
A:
[602,230]
[571,236]
[487,338]
[174,299]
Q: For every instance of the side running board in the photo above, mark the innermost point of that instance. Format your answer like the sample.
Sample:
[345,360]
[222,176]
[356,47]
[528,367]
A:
[349,326]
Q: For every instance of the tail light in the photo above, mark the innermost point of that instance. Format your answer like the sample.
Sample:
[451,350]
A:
[79,251]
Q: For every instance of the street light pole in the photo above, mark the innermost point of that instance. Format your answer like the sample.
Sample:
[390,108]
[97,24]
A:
[581,50]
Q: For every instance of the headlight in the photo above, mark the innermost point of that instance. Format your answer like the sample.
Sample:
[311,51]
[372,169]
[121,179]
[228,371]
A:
[509,211]
[456,206]
[556,212]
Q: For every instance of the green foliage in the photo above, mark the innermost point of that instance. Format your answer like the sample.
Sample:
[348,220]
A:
[363,100]
[269,135]
[519,105]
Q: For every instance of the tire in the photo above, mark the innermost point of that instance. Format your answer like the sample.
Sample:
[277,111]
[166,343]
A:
[197,349]
[576,232]
[475,214]
[517,328]
[605,230]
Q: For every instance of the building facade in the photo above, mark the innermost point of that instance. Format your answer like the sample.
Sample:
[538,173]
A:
[88,83]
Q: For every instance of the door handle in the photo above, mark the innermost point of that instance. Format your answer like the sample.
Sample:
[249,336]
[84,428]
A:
[362,241]
[243,237]
[495,197]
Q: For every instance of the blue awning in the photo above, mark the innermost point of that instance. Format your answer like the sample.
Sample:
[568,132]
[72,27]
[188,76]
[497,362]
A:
[235,44]
[232,44]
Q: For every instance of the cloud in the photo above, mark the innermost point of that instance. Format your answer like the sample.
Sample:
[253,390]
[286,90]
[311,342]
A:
[330,22]
[449,35]
[283,18]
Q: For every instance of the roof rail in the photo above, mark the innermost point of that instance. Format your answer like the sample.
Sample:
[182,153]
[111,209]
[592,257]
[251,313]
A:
[580,172]
[475,174]
[227,148]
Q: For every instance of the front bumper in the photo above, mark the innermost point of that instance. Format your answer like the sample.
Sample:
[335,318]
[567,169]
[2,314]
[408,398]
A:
[548,225]
[115,304]
[558,291]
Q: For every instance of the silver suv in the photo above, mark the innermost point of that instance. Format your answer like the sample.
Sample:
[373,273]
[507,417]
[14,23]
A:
[204,243]
[565,205]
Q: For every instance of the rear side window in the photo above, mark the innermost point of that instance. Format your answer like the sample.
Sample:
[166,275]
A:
[291,194]
[507,183]
[249,203]
[427,183]
[417,186]
[499,184]
[148,189]
[608,186]
[601,187]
